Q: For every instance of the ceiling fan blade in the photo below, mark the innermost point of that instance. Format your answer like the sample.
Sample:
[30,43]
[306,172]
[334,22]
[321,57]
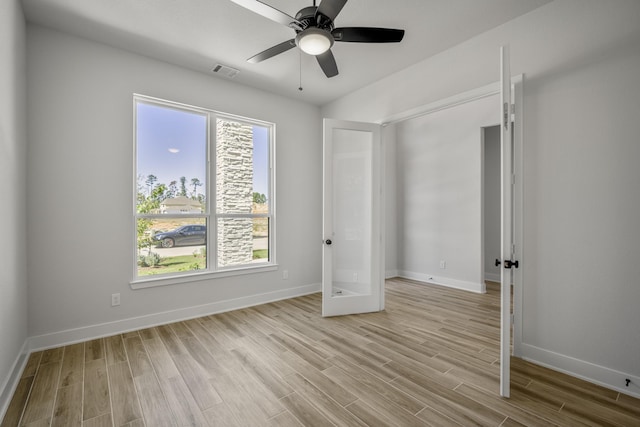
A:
[330,8]
[273,51]
[367,35]
[267,11]
[328,63]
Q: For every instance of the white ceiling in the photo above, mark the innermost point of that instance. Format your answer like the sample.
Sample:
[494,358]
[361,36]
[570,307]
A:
[198,34]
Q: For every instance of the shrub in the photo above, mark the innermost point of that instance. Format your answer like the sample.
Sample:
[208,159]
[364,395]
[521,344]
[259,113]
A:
[152,260]
[142,261]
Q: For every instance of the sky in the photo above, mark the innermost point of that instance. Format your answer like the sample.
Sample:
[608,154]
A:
[172,143]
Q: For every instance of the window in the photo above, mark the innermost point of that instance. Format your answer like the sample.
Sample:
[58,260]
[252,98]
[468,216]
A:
[203,192]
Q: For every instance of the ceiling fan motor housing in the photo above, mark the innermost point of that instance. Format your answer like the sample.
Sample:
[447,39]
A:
[307,18]
[313,31]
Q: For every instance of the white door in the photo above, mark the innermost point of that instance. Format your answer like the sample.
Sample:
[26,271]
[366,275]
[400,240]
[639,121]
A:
[352,257]
[507,248]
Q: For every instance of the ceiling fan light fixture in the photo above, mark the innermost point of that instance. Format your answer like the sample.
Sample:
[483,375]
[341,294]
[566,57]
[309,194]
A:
[314,41]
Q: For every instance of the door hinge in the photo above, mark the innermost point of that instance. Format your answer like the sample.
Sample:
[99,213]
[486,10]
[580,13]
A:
[505,116]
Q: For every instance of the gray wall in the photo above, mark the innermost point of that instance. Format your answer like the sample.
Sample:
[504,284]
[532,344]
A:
[13,252]
[491,202]
[80,187]
[581,203]
[439,194]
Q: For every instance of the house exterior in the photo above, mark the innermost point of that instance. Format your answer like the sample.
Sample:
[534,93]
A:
[180,204]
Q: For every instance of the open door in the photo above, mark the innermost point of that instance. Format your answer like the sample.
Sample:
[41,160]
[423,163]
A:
[507,247]
[352,256]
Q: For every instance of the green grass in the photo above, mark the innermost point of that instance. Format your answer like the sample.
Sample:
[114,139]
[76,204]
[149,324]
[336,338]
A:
[260,253]
[180,263]
[175,264]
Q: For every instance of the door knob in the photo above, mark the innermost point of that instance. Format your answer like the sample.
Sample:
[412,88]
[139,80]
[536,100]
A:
[328,241]
[509,264]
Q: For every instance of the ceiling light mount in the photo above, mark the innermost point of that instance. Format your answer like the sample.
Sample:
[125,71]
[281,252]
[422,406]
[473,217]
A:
[314,41]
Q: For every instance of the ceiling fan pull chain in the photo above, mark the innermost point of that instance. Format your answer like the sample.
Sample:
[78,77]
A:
[300,86]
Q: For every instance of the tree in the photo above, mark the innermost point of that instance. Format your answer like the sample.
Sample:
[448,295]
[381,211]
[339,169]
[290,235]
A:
[151,179]
[148,204]
[259,198]
[172,190]
[196,183]
[183,186]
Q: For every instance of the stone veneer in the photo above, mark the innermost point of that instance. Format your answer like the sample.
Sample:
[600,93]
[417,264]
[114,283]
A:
[234,191]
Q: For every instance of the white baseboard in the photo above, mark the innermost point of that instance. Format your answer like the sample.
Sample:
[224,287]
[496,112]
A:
[587,371]
[479,288]
[11,383]
[70,336]
[388,274]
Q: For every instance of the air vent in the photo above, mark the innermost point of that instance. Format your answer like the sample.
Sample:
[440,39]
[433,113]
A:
[225,71]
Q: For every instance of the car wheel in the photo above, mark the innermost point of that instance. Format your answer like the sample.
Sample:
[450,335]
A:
[167,242]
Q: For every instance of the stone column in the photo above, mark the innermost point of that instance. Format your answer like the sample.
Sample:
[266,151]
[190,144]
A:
[234,191]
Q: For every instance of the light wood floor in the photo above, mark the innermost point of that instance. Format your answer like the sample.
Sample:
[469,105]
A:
[430,359]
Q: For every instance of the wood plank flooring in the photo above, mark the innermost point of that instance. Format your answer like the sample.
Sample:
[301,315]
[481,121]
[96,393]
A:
[430,359]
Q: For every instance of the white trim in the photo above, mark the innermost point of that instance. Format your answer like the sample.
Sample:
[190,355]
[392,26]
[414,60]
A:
[390,274]
[154,281]
[452,101]
[600,375]
[11,382]
[71,336]
[478,288]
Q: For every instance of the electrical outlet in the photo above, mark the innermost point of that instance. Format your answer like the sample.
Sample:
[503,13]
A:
[443,264]
[115,300]
[285,274]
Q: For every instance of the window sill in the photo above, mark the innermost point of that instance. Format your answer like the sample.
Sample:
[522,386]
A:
[153,282]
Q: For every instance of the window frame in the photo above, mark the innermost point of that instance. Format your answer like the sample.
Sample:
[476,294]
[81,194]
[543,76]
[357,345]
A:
[210,214]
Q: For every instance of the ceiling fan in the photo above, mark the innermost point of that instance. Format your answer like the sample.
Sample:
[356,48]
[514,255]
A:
[316,33]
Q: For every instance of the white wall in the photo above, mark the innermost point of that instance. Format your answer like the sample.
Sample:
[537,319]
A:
[80,189]
[580,263]
[491,201]
[13,252]
[582,213]
[439,194]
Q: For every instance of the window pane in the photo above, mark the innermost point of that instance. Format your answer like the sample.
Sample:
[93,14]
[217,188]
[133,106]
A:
[242,167]
[261,240]
[260,170]
[171,160]
[171,245]
[242,241]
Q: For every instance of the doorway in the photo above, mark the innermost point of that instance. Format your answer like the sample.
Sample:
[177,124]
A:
[439,158]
